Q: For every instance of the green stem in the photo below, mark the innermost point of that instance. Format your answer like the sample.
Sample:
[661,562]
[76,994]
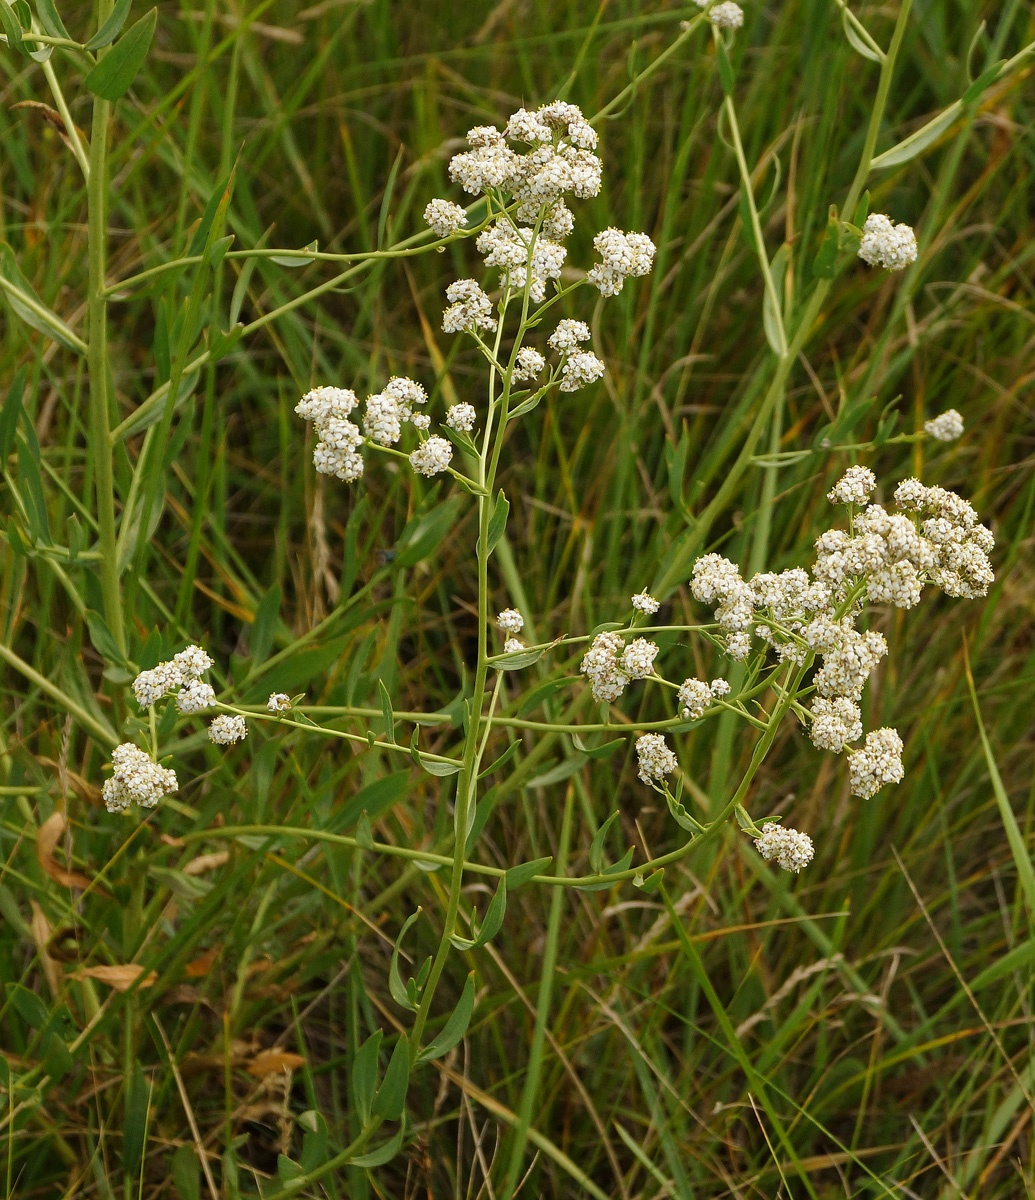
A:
[97,309]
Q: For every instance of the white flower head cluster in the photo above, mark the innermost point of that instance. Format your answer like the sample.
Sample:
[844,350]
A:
[638,659]
[601,664]
[579,370]
[135,776]
[278,702]
[337,451]
[791,849]
[887,558]
[513,645]
[887,245]
[877,763]
[445,217]
[946,427]
[522,258]
[656,760]
[461,417]
[623,256]
[854,486]
[227,729]
[694,697]
[469,308]
[568,335]
[182,671]
[510,621]
[727,15]
[432,457]
[645,603]
[528,363]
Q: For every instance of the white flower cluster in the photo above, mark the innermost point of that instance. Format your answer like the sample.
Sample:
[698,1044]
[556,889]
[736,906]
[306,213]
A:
[445,217]
[656,760]
[946,427]
[645,604]
[135,776]
[469,308]
[791,849]
[278,702]
[461,417]
[695,695]
[528,363]
[183,671]
[887,558]
[610,664]
[510,621]
[432,457]
[337,451]
[886,245]
[386,411]
[624,256]
[227,729]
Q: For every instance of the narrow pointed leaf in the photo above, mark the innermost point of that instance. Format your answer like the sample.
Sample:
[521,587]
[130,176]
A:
[114,74]
[455,1028]
[111,28]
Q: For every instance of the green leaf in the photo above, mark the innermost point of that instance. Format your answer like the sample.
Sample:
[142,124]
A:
[114,74]
[386,712]
[364,834]
[265,625]
[653,881]
[214,255]
[12,27]
[314,1140]
[556,774]
[856,41]
[26,1003]
[423,533]
[983,81]
[679,814]
[517,660]
[374,799]
[295,261]
[918,142]
[134,1124]
[725,68]
[520,875]
[498,520]
[24,300]
[825,262]
[364,1074]
[111,28]
[186,1174]
[596,850]
[75,537]
[50,19]
[504,758]
[32,487]
[290,1174]
[395,984]
[390,1100]
[541,693]
[11,411]
[455,1028]
[102,639]
[189,887]
[383,1154]
[493,922]
[604,751]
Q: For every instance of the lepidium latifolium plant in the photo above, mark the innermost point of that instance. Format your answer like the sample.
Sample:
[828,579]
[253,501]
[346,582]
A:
[793,646]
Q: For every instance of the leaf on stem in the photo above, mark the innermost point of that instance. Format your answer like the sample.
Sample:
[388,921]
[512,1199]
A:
[114,74]
[455,1028]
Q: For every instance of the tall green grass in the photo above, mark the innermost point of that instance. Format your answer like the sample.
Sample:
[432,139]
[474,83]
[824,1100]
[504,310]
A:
[863,1030]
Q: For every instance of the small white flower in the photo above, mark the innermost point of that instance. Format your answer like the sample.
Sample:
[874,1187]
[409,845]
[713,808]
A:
[382,421]
[323,402]
[886,245]
[510,621]
[738,646]
[853,487]
[694,697]
[580,369]
[567,336]
[135,776]
[638,658]
[878,763]
[791,849]
[946,427]
[150,686]
[470,308]
[278,702]
[226,729]
[720,687]
[645,603]
[461,417]
[528,363]
[432,457]
[445,217]
[656,760]
[600,664]
[513,645]
[194,697]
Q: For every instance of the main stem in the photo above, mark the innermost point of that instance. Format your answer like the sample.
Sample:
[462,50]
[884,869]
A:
[97,361]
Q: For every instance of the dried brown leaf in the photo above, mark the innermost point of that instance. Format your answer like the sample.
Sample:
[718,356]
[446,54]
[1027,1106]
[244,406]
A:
[272,1062]
[46,839]
[206,862]
[121,977]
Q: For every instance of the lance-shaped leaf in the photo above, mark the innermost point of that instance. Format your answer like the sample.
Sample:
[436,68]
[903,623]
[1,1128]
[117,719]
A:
[455,1028]
[114,74]
[364,1074]
[395,984]
[111,28]
[493,922]
[27,304]
[383,1154]
[390,1100]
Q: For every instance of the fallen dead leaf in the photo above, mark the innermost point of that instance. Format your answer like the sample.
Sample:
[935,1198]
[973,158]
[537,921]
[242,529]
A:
[202,966]
[206,862]
[121,977]
[42,931]
[169,840]
[46,839]
[272,1062]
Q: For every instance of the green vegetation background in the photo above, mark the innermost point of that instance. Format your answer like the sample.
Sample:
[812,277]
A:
[881,1002]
